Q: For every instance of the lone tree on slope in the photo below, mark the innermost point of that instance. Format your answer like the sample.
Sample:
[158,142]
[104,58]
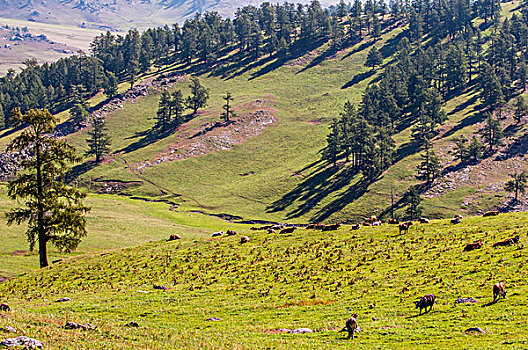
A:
[53,210]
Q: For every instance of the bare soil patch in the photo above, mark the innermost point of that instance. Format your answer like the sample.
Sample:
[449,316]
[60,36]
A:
[215,136]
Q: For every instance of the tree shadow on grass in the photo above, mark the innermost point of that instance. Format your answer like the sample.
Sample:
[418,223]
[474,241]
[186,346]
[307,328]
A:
[358,78]
[467,121]
[354,192]
[147,137]
[322,182]
[79,170]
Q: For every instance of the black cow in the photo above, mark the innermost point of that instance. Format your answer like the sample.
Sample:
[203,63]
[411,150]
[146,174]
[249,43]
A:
[425,302]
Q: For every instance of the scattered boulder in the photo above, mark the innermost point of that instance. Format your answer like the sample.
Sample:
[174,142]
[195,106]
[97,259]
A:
[160,287]
[9,329]
[62,300]
[132,324]
[217,234]
[301,331]
[213,319]
[27,343]
[476,330]
[465,300]
[244,239]
[73,325]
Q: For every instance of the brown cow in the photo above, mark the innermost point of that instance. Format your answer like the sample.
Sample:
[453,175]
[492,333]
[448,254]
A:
[507,242]
[373,219]
[4,307]
[393,221]
[404,226]
[474,245]
[498,291]
[287,230]
[356,226]
[332,227]
[490,213]
[174,237]
[231,233]
[244,239]
[351,326]
[423,220]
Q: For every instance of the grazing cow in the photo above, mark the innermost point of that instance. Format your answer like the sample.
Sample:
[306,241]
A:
[356,226]
[373,219]
[332,227]
[507,242]
[217,234]
[456,220]
[423,220]
[231,233]
[351,326]
[174,237]
[244,239]
[277,227]
[458,216]
[473,245]
[366,223]
[491,213]
[270,230]
[393,221]
[404,226]
[4,307]
[376,223]
[287,230]
[498,291]
[425,302]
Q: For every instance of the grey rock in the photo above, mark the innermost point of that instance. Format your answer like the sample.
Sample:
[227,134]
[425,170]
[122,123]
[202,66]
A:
[476,329]
[10,329]
[465,300]
[62,300]
[301,331]
[213,319]
[73,325]
[27,343]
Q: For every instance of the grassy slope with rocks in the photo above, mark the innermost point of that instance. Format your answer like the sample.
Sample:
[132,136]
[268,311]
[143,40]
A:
[306,279]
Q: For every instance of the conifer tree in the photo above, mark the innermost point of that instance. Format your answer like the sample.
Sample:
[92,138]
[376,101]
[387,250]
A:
[520,109]
[412,199]
[164,114]
[373,58]
[517,184]
[228,112]
[492,132]
[99,141]
[429,168]
[199,95]
[53,210]
[475,149]
[178,107]
[333,147]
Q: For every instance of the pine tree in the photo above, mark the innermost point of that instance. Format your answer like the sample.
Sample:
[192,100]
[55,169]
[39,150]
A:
[2,118]
[110,86]
[461,149]
[99,141]
[79,109]
[520,109]
[228,113]
[333,147]
[199,95]
[429,169]
[373,58]
[54,211]
[412,199]
[475,149]
[492,132]
[164,114]
[517,184]
[178,107]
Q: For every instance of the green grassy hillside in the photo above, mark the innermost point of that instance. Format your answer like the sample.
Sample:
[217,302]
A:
[306,279]
[287,180]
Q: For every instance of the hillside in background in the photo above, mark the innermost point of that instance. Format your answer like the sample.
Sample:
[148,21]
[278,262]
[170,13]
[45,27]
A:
[267,164]
[119,15]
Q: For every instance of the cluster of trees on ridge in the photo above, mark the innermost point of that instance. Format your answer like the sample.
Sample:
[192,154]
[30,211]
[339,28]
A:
[443,52]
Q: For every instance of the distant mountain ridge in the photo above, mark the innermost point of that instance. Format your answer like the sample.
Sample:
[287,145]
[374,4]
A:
[119,14]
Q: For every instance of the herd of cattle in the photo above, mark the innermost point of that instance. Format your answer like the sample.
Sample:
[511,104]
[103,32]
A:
[426,302]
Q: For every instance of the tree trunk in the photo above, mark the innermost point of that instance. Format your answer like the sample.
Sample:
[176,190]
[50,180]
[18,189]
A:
[40,211]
